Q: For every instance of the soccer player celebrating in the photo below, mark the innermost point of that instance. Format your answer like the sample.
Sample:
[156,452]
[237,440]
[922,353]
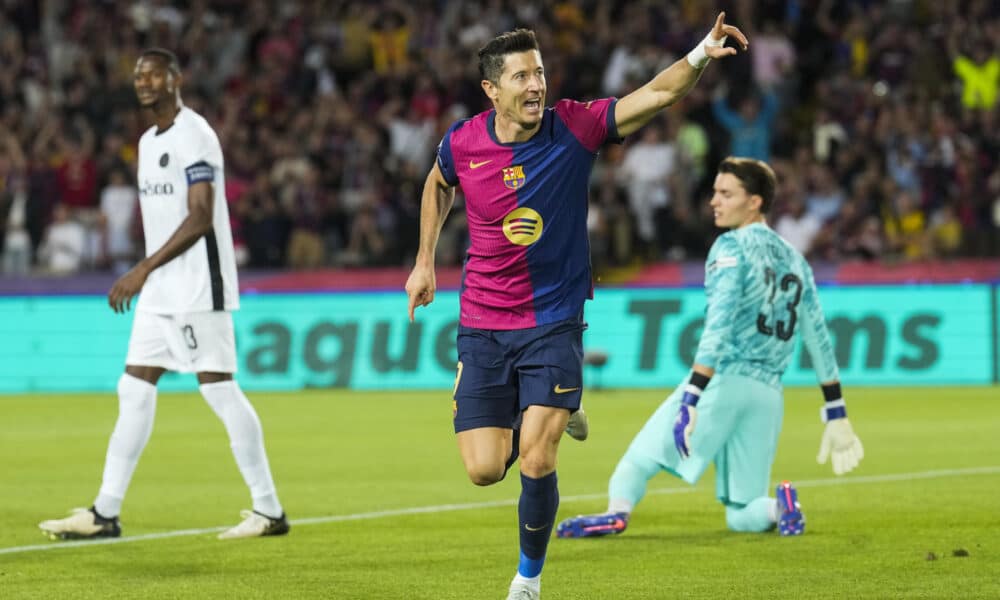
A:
[183,318]
[729,410]
[524,170]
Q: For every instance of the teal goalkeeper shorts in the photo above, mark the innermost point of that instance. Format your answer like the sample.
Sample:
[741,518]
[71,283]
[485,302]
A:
[739,420]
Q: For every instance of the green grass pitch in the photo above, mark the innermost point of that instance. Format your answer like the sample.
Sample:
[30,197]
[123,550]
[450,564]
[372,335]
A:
[381,508]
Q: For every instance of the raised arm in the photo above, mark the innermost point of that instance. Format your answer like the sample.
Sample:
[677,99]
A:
[670,85]
[435,203]
[196,225]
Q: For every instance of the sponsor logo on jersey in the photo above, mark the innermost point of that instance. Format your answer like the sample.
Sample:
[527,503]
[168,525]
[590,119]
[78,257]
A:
[151,188]
[723,262]
[523,226]
[513,176]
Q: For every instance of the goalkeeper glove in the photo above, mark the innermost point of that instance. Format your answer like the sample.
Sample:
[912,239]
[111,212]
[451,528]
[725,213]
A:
[839,442]
[687,415]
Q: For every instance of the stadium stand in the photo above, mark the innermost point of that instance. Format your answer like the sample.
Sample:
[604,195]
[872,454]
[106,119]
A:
[881,119]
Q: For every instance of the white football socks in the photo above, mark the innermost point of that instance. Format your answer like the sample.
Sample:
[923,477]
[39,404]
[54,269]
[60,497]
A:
[247,441]
[619,505]
[136,411]
[773,512]
[534,583]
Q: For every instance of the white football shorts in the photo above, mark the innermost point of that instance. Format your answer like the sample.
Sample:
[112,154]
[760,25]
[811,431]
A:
[186,343]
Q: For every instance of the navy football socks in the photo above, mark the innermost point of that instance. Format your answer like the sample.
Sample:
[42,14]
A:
[537,512]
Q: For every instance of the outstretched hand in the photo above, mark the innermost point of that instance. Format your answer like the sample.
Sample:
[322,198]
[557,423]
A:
[841,446]
[721,31]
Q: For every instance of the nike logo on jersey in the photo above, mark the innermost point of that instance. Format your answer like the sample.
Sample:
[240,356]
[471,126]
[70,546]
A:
[539,528]
[475,165]
[559,389]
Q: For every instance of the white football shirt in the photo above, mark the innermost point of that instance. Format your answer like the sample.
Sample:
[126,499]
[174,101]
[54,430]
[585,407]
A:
[203,278]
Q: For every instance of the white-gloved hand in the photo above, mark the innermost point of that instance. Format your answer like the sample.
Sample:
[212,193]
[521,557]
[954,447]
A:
[841,445]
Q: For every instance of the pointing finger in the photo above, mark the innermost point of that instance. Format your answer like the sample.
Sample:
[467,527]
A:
[717,29]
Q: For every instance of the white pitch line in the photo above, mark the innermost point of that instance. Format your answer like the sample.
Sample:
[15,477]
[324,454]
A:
[440,508]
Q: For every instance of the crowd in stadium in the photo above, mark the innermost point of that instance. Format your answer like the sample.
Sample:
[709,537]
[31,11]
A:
[881,119]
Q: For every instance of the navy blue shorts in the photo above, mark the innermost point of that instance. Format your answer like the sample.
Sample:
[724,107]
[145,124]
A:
[501,373]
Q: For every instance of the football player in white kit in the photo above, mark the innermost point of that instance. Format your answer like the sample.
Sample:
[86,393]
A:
[183,319]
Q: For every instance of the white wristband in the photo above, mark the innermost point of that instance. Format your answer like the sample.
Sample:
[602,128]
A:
[697,57]
[824,413]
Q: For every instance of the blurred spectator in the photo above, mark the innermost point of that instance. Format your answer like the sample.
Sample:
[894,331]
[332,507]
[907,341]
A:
[390,40]
[76,172]
[866,241]
[367,245]
[824,199]
[62,250]
[905,227]
[266,226]
[945,232]
[15,243]
[329,113]
[798,226]
[119,203]
[980,77]
[307,205]
[773,56]
[692,142]
[645,173]
[750,128]
[411,137]
[828,136]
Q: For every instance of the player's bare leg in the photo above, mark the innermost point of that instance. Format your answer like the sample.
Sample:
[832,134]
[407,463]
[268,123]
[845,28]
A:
[487,452]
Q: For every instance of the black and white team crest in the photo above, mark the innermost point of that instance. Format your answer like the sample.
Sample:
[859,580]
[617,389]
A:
[164,160]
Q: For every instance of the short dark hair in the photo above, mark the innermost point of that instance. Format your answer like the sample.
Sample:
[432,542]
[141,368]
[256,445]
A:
[756,176]
[169,58]
[491,56]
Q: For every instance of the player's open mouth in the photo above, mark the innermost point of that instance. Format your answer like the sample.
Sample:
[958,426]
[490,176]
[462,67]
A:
[533,106]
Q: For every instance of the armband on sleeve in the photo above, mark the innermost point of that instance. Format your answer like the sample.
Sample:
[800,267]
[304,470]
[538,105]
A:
[199,171]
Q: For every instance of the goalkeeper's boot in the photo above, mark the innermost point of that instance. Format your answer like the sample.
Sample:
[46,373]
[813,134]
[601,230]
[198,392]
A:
[790,519]
[255,524]
[578,426]
[593,525]
[82,524]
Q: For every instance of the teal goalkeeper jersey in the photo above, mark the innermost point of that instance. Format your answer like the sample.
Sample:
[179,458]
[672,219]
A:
[760,294]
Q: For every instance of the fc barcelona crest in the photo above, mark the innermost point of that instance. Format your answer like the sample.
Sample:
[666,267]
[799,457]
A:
[513,177]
